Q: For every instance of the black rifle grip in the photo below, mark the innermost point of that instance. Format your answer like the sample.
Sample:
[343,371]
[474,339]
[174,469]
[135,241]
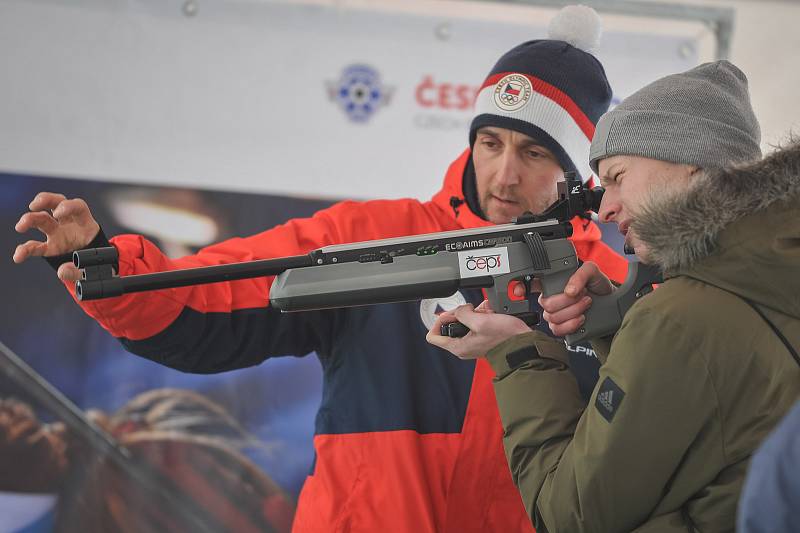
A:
[457,329]
[454,330]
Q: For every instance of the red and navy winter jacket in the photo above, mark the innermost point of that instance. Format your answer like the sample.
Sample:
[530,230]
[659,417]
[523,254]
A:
[407,437]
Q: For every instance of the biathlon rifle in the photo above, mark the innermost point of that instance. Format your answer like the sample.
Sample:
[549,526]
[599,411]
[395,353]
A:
[434,265]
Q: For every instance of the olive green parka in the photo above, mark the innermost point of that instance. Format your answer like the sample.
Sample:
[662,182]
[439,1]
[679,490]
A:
[694,378]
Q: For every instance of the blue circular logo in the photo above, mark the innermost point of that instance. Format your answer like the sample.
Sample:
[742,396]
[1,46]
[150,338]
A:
[360,92]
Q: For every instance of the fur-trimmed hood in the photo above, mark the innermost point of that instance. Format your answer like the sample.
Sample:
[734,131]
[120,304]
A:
[737,228]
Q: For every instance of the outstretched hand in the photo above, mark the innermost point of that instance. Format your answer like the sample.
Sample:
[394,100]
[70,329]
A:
[487,330]
[67,224]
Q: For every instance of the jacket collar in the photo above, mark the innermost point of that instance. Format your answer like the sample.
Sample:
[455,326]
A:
[686,227]
[737,229]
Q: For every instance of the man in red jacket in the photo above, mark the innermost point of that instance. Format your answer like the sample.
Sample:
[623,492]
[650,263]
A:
[407,438]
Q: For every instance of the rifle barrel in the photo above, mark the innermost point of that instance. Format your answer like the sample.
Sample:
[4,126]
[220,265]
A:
[117,286]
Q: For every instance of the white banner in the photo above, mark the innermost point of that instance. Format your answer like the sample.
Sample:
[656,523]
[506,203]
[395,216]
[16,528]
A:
[279,98]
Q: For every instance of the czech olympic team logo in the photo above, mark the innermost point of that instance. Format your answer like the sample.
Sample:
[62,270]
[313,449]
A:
[512,92]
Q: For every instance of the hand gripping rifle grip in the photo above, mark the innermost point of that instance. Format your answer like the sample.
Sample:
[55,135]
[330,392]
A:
[457,329]
[605,315]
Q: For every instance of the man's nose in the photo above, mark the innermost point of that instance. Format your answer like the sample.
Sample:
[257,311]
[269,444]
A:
[510,172]
[609,207]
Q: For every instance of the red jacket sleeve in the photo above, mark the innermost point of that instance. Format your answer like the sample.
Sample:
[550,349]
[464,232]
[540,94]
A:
[142,315]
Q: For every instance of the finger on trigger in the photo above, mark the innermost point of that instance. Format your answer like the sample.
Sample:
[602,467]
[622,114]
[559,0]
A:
[517,288]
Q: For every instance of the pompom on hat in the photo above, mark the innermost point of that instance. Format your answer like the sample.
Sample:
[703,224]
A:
[552,90]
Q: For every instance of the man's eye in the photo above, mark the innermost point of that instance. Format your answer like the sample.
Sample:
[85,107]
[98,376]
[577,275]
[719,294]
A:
[611,179]
[534,154]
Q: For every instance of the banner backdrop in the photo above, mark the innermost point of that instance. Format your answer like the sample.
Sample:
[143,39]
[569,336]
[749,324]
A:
[274,97]
[191,128]
[273,403]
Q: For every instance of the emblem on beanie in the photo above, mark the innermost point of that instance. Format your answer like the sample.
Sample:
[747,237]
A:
[431,308]
[512,92]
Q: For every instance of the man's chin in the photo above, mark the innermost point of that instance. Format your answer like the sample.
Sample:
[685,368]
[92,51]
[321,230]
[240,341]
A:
[501,217]
[502,214]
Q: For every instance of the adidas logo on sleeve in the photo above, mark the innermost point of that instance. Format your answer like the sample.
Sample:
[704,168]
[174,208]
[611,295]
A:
[609,398]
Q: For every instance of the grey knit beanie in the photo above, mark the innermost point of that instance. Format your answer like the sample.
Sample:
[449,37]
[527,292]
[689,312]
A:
[700,117]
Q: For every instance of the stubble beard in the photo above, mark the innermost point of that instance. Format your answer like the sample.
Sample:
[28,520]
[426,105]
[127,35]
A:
[496,213]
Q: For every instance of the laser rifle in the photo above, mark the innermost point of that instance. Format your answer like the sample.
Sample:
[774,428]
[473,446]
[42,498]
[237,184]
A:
[433,265]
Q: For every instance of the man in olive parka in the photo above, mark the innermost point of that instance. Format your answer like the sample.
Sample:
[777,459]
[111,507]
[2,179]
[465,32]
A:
[702,368]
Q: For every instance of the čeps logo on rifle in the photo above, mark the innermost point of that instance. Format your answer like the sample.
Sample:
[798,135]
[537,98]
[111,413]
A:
[487,262]
[484,262]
